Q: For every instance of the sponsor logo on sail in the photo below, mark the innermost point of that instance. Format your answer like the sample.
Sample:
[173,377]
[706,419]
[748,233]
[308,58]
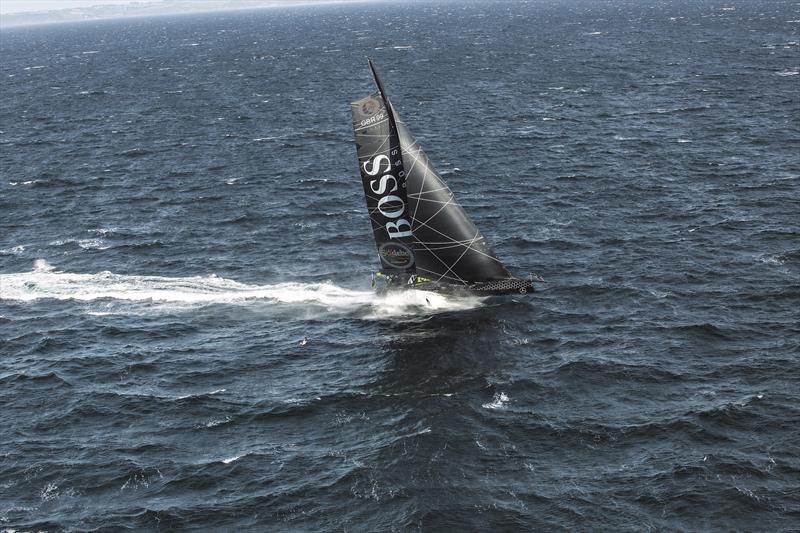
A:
[370,107]
[390,188]
[396,255]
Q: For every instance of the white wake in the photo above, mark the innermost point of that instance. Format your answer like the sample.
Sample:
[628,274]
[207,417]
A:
[46,282]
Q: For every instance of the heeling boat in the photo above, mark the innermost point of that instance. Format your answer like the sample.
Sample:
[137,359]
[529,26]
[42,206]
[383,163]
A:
[425,239]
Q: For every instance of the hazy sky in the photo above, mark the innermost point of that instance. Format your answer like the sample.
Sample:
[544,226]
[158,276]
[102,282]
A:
[23,6]
[26,12]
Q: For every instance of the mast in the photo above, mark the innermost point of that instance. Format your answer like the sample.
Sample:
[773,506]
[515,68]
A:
[377,79]
[386,103]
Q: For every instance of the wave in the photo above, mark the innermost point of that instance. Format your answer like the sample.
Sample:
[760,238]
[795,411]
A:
[498,402]
[86,244]
[14,250]
[45,282]
[616,370]
[50,379]
[704,330]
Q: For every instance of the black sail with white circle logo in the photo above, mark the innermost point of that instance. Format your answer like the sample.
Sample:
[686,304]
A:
[418,225]
[383,177]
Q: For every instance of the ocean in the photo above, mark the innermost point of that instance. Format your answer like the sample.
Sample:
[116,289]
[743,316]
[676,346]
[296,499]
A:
[188,336]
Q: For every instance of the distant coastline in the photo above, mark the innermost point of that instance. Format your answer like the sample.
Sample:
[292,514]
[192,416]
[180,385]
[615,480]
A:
[148,9]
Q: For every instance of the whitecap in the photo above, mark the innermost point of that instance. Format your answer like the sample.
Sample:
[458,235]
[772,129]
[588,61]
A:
[86,244]
[787,72]
[49,492]
[217,422]
[102,231]
[14,250]
[92,244]
[140,479]
[771,259]
[498,402]
[212,393]
[659,294]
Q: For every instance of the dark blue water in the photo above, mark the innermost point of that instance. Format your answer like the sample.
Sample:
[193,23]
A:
[180,209]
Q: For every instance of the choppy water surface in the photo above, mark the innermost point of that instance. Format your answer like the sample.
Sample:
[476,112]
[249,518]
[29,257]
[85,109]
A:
[189,339]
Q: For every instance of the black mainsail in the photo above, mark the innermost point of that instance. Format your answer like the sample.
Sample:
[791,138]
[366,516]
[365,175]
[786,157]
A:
[447,245]
[384,179]
[420,229]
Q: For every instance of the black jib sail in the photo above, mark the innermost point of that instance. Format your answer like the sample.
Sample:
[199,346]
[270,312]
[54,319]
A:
[417,223]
